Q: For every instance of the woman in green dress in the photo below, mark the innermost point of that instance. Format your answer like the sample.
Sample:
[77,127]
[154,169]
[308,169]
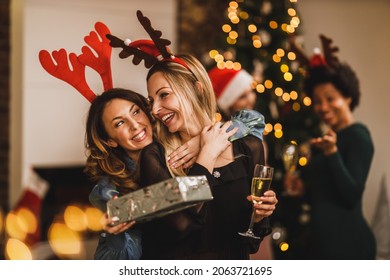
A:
[335,178]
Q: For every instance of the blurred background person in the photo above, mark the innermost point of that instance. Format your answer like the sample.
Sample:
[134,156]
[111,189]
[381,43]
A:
[335,177]
[233,90]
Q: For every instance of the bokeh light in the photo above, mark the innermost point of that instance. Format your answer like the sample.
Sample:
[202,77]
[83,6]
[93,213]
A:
[278,134]
[286,97]
[280,52]
[284,68]
[276,58]
[15,226]
[213,53]
[273,24]
[257,44]
[296,106]
[233,34]
[63,240]
[302,161]
[260,88]
[288,76]
[268,84]
[236,66]
[75,218]
[226,28]
[94,216]
[294,95]
[283,246]
[17,250]
[252,28]
[291,55]
[268,128]
[307,101]
[29,220]
[278,91]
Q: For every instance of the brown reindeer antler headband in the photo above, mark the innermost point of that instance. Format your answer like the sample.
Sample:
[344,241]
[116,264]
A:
[329,59]
[151,51]
[60,67]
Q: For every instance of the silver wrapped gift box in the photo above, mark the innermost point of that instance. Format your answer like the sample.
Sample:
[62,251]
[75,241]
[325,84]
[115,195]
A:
[160,199]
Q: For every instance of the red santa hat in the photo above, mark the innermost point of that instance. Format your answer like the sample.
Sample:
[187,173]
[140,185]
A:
[229,84]
[152,53]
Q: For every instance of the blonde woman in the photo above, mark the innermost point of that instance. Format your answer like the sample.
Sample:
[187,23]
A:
[184,106]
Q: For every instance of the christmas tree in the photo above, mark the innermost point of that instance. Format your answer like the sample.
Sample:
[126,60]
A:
[256,35]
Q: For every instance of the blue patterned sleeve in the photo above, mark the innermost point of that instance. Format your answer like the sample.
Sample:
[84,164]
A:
[124,246]
[249,122]
[102,192]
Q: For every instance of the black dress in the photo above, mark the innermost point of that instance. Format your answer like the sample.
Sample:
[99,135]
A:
[211,233]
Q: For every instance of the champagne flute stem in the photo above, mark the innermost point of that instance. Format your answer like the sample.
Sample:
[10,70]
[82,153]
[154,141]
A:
[252,220]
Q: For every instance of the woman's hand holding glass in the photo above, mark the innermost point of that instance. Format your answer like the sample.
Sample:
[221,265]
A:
[266,207]
[326,143]
[261,182]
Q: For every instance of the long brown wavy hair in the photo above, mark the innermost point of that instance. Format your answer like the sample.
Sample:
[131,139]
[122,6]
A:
[103,160]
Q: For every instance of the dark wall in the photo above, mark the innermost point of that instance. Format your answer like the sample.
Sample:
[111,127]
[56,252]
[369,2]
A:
[4,101]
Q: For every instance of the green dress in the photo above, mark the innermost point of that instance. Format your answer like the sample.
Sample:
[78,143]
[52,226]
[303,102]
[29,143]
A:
[336,185]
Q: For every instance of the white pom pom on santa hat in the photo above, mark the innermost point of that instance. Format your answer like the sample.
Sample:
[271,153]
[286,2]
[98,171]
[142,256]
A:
[229,84]
[127,42]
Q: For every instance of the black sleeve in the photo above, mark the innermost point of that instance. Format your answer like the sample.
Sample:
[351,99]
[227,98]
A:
[256,149]
[153,169]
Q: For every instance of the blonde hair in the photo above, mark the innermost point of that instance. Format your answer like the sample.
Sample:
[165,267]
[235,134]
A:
[196,97]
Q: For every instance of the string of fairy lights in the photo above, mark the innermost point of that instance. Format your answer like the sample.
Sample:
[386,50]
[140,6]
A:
[224,60]
[288,69]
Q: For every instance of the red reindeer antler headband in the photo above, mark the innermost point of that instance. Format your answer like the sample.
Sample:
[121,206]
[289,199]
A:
[101,63]
[151,51]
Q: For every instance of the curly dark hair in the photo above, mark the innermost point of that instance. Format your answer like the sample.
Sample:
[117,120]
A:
[103,160]
[342,77]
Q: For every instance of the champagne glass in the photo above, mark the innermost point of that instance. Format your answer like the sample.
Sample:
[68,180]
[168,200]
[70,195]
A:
[261,182]
[290,160]
[290,157]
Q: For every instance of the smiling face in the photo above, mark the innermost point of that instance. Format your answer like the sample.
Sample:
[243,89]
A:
[127,126]
[331,106]
[166,106]
[246,100]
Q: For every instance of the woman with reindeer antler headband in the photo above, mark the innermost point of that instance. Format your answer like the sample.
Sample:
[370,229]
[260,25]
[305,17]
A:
[336,175]
[119,125]
[183,103]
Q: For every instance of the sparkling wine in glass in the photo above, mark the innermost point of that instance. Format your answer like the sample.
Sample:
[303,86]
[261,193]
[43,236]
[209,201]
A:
[261,182]
[290,157]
